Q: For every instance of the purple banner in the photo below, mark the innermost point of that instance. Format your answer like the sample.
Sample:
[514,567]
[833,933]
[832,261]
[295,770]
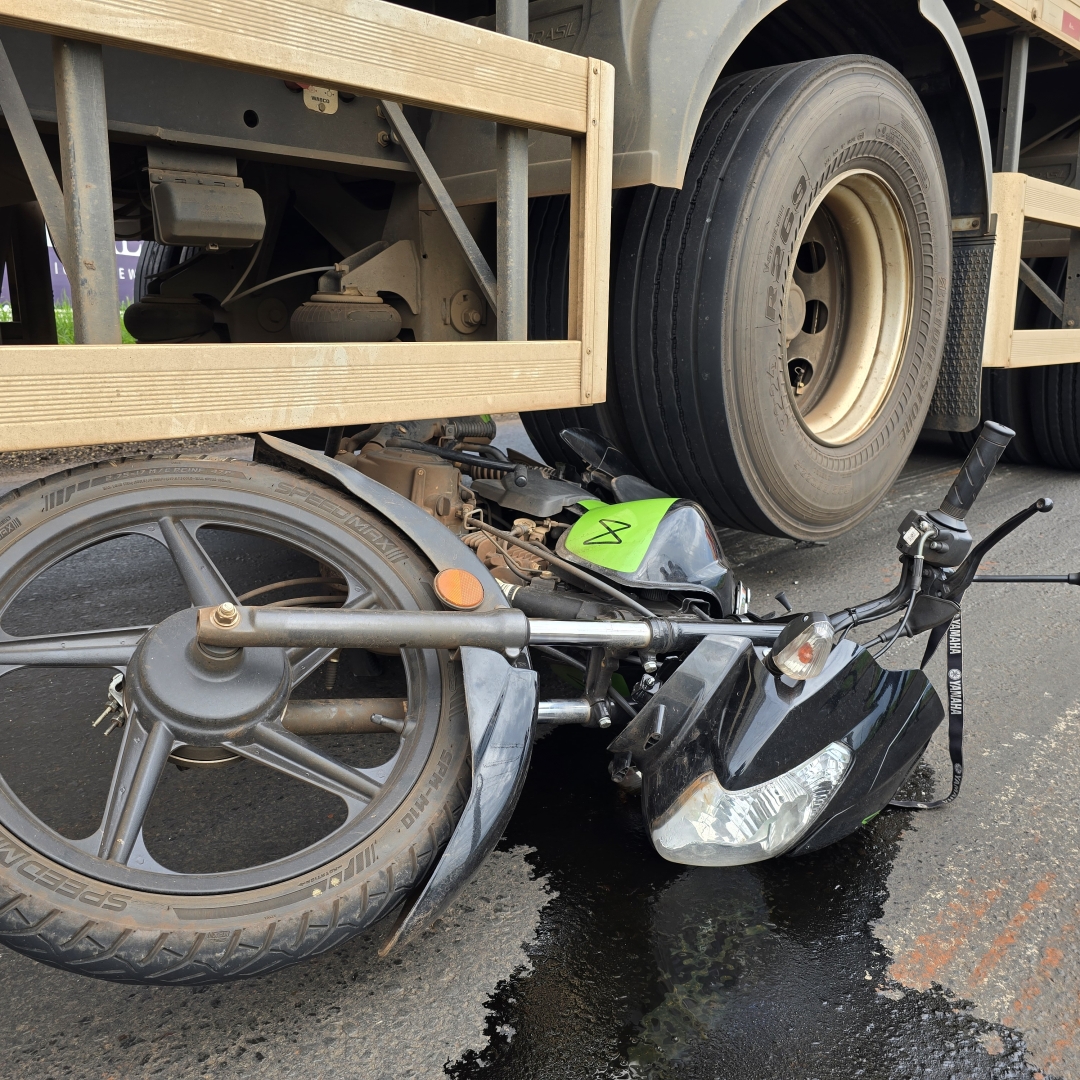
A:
[127,257]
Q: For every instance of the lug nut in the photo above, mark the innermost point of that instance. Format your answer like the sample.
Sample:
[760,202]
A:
[226,615]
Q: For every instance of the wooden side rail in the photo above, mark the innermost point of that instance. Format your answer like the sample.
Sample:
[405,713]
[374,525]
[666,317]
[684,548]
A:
[361,46]
[72,395]
[85,394]
[1016,198]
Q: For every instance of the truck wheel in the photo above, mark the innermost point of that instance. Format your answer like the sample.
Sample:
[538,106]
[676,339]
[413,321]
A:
[154,258]
[269,846]
[1054,390]
[1006,400]
[1055,407]
[780,320]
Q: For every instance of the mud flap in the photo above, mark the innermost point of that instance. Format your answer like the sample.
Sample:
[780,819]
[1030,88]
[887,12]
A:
[502,710]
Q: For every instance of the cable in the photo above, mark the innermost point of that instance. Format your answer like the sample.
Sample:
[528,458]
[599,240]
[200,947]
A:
[274,281]
[452,455]
[162,274]
[243,276]
[899,627]
[521,571]
[581,575]
[916,574]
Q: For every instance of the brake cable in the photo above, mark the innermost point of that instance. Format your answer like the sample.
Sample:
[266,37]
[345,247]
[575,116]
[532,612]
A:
[927,531]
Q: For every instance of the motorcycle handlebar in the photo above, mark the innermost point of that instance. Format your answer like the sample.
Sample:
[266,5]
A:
[986,452]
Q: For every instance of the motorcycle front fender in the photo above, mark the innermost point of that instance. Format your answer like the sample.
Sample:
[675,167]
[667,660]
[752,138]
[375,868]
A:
[502,713]
[500,698]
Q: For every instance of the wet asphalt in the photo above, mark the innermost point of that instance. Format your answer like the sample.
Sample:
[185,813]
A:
[939,945]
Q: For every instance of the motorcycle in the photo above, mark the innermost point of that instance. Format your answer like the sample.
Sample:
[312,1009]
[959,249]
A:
[750,737]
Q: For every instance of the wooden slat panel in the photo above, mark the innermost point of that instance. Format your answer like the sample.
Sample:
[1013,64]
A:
[79,394]
[1008,205]
[591,234]
[364,46]
[1055,203]
[1033,348]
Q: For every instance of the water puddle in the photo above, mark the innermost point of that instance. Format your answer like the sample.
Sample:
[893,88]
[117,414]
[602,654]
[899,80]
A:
[646,969]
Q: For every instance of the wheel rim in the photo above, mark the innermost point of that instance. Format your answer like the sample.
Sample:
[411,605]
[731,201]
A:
[849,307]
[150,738]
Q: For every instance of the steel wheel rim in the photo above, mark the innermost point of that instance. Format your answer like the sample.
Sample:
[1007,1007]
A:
[131,514]
[849,307]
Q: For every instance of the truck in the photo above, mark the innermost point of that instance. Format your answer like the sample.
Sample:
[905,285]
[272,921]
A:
[726,259]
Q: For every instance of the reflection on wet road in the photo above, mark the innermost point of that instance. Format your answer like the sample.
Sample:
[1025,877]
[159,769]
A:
[643,968]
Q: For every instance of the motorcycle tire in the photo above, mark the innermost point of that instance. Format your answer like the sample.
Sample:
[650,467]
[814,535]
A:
[69,907]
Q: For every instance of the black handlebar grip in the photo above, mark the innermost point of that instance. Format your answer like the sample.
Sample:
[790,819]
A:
[986,452]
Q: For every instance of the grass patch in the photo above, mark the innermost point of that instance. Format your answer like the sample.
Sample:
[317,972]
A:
[65,328]
[65,322]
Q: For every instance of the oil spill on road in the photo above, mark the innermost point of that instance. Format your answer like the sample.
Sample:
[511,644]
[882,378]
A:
[646,969]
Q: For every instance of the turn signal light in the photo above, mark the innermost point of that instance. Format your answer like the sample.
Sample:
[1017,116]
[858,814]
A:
[801,651]
[459,589]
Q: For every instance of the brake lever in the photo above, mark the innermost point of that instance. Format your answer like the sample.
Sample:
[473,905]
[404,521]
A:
[953,586]
[942,583]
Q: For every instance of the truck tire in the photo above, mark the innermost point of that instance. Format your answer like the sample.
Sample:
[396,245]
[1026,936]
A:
[1006,399]
[549,283]
[1053,391]
[154,258]
[1055,408]
[549,287]
[63,903]
[779,322]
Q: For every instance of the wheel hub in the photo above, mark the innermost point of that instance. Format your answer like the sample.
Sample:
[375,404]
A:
[204,699]
[849,307]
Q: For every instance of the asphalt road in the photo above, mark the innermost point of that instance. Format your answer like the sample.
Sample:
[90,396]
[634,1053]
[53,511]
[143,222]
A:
[938,945]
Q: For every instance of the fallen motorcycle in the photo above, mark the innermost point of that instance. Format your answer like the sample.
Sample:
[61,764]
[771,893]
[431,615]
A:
[421,548]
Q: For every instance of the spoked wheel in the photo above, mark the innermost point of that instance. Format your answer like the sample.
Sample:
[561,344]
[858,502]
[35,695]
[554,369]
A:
[223,818]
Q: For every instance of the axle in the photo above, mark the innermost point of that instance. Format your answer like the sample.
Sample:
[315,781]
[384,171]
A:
[234,626]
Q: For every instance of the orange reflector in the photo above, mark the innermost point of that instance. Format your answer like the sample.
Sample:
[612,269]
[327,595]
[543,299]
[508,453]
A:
[459,589]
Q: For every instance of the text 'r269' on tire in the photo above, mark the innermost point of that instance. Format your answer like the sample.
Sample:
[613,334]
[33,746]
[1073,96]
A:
[271,841]
[779,321]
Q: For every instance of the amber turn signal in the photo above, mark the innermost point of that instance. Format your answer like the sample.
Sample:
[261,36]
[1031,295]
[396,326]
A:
[459,589]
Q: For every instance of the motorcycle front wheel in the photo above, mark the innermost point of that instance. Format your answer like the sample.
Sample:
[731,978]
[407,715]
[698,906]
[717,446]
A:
[197,833]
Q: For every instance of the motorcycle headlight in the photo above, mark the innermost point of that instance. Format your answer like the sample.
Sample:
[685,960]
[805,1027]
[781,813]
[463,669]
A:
[803,647]
[708,825]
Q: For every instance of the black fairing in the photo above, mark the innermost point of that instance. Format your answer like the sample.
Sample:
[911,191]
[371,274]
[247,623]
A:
[684,556]
[749,726]
[779,723]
